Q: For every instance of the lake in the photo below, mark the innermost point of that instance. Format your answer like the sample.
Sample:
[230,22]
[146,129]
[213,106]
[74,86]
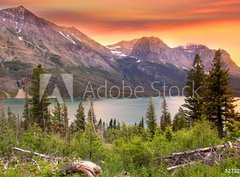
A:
[124,110]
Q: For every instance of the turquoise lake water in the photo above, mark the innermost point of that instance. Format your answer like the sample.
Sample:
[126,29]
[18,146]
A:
[126,110]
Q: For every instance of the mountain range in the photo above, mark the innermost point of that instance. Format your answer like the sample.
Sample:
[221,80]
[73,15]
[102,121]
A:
[27,40]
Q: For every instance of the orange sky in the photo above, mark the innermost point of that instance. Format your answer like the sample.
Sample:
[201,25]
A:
[215,23]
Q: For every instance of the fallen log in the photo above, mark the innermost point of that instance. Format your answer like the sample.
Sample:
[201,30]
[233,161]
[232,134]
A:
[88,168]
[178,166]
[198,150]
[48,157]
[209,155]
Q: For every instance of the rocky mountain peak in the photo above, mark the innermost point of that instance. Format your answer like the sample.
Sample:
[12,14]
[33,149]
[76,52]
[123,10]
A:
[35,40]
[16,12]
[122,48]
[20,16]
[152,42]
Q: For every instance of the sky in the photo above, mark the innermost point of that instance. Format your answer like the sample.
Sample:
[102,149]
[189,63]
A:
[214,23]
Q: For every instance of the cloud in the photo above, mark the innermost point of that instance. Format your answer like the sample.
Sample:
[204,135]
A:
[145,20]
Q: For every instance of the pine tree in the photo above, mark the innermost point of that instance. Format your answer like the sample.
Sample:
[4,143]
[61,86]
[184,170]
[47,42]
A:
[65,120]
[218,98]
[26,114]
[39,106]
[93,142]
[151,119]
[141,123]
[114,124]
[141,126]
[195,91]
[57,120]
[91,116]
[100,123]
[180,120]
[165,118]
[110,124]
[80,123]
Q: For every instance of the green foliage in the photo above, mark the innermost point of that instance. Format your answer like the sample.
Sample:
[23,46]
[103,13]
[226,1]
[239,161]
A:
[79,123]
[233,127]
[39,105]
[134,154]
[91,115]
[195,90]
[57,119]
[151,118]
[118,148]
[27,115]
[166,117]
[203,134]
[88,145]
[65,120]
[168,133]
[141,126]
[218,98]
[200,170]
[180,120]
[129,150]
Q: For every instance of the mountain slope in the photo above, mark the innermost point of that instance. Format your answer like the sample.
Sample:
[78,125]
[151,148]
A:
[27,40]
[153,49]
[207,56]
[122,48]
[35,40]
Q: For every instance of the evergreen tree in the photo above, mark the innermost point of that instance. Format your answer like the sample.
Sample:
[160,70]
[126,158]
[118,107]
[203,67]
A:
[79,123]
[91,116]
[114,124]
[141,123]
[39,106]
[180,121]
[218,98]
[165,118]
[195,91]
[26,115]
[110,124]
[100,123]
[57,117]
[93,142]
[141,126]
[65,120]
[151,119]
[104,124]
[118,126]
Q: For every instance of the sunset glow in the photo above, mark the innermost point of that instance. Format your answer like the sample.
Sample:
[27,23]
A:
[215,23]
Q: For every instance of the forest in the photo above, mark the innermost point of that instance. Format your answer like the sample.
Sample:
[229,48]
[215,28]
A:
[202,139]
